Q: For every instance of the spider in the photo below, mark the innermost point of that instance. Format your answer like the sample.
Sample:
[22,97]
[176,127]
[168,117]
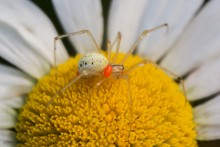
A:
[96,64]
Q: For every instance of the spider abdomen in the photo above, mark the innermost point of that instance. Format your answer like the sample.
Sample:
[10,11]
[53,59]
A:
[92,61]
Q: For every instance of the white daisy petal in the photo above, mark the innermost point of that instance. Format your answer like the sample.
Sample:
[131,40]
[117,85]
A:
[207,118]
[176,13]
[31,27]
[208,113]
[125,16]
[7,138]
[8,91]
[14,82]
[11,76]
[7,117]
[76,15]
[14,49]
[204,81]
[15,102]
[208,133]
[199,43]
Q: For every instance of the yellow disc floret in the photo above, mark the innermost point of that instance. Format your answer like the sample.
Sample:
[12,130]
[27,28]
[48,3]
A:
[145,109]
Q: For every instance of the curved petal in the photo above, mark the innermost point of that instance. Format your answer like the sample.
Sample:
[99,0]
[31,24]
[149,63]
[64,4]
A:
[125,17]
[11,76]
[15,102]
[15,49]
[7,138]
[7,117]
[76,15]
[199,43]
[31,30]
[208,132]
[204,81]
[207,118]
[13,82]
[208,113]
[176,13]
[8,91]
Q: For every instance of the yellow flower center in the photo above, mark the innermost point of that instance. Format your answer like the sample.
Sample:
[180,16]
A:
[146,109]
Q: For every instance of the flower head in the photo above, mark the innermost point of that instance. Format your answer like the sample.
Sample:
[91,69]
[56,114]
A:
[148,109]
[144,108]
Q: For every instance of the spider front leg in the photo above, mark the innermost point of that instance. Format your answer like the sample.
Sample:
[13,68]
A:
[84,73]
[130,100]
[60,37]
[147,61]
[110,46]
[140,38]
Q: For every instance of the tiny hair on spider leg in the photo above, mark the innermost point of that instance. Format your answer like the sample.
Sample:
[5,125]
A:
[96,64]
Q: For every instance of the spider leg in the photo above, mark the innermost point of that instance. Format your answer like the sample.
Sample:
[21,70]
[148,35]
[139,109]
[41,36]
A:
[93,88]
[130,101]
[147,61]
[71,34]
[117,47]
[109,50]
[100,82]
[125,76]
[140,38]
[83,74]
[110,46]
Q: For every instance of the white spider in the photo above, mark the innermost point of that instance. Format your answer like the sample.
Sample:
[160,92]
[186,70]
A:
[96,64]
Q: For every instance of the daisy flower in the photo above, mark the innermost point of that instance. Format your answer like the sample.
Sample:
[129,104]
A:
[146,109]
